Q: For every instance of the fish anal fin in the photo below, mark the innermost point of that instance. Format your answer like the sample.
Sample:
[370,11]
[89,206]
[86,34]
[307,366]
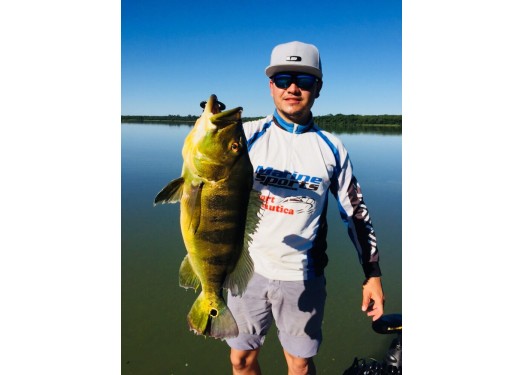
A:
[171,193]
[187,277]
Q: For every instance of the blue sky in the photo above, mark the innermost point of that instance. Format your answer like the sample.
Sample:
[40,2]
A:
[176,53]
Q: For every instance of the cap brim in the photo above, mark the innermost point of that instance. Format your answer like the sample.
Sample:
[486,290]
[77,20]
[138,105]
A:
[272,70]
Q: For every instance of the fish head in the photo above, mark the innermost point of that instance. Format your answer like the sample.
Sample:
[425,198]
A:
[216,142]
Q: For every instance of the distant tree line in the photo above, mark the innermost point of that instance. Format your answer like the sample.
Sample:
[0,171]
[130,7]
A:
[344,123]
[335,123]
[359,119]
[170,119]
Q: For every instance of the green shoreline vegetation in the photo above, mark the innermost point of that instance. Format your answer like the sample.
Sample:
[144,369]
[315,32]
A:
[334,123]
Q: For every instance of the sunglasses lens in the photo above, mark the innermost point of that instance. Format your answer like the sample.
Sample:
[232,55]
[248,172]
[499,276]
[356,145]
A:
[282,81]
[305,82]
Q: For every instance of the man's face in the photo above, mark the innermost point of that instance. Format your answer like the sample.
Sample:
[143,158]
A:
[293,103]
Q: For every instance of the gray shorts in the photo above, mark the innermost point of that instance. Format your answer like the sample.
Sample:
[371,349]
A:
[296,306]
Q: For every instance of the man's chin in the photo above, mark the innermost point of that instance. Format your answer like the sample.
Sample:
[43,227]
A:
[294,113]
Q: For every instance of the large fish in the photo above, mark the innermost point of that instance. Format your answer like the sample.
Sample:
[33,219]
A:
[213,190]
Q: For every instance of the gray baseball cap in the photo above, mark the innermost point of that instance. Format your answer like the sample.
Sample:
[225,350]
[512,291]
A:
[295,57]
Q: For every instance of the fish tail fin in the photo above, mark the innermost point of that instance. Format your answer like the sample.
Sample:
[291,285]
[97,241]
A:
[211,317]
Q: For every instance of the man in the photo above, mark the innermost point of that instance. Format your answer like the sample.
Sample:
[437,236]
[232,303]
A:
[296,164]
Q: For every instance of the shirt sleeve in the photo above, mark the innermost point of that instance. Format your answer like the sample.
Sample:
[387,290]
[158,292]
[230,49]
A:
[354,212]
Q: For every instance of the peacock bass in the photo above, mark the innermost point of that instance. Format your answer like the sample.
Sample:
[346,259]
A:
[213,191]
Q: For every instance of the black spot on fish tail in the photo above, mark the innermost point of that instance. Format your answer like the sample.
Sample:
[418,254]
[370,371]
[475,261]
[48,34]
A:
[212,318]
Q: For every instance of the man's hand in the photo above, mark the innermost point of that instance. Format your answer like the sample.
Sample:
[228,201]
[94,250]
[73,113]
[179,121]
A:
[373,299]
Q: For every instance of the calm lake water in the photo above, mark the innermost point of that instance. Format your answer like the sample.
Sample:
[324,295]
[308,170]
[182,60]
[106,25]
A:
[155,337]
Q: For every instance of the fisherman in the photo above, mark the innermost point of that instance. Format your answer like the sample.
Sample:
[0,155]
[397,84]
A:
[295,165]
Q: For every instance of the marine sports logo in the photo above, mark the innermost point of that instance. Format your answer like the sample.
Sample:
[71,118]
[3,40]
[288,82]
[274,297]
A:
[287,180]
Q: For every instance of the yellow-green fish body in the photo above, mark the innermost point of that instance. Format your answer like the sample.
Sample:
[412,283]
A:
[213,190]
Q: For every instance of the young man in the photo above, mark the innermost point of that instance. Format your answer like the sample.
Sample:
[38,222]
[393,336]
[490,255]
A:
[296,164]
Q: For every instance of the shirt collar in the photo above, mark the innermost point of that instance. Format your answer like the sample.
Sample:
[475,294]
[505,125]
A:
[289,126]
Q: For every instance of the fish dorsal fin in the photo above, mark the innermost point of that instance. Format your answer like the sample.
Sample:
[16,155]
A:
[187,277]
[171,193]
[238,279]
[253,216]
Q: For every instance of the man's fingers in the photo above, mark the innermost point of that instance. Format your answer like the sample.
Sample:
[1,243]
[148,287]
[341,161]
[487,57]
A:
[375,311]
[367,302]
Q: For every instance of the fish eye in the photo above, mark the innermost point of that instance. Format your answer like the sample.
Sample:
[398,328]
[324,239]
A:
[235,147]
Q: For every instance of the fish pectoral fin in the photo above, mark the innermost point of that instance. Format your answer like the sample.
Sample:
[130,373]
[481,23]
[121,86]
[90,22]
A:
[194,206]
[187,277]
[171,193]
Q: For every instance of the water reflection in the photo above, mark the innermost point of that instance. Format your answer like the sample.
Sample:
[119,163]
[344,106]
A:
[155,337]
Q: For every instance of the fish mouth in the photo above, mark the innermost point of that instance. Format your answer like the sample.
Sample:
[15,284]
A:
[222,118]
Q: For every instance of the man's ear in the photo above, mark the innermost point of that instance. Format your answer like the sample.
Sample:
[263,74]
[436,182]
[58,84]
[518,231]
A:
[319,87]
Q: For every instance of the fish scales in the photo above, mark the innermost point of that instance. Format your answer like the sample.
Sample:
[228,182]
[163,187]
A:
[214,191]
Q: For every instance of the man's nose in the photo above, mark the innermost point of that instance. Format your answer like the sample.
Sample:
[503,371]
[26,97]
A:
[293,88]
